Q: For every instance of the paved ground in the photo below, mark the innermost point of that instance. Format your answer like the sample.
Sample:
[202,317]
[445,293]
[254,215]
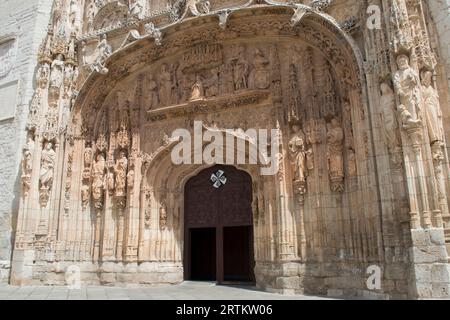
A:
[184,291]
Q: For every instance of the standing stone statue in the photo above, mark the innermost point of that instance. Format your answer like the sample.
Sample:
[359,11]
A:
[241,69]
[104,50]
[92,11]
[153,96]
[27,162]
[47,166]
[57,69]
[432,109]
[388,116]
[407,86]
[163,216]
[335,139]
[197,89]
[121,174]
[98,181]
[165,85]
[260,73]
[226,82]
[297,152]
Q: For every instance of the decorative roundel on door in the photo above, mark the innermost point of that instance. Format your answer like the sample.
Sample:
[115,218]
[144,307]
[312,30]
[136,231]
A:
[218,179]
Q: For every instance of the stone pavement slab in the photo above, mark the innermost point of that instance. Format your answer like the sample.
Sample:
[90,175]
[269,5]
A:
[188,290]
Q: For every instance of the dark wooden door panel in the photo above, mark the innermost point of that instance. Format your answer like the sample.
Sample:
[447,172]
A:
[219,207]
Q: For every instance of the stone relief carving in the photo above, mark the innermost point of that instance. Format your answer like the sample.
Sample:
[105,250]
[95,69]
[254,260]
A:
[7,57]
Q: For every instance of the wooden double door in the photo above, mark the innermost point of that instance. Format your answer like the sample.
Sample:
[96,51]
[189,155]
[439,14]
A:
[219,226]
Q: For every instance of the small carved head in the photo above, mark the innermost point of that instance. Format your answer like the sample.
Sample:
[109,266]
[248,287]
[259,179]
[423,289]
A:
[403,61]
[427,77]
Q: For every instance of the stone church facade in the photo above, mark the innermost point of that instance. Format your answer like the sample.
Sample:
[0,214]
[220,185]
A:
[357,92]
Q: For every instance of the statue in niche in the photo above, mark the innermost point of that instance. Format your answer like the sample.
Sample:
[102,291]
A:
[175,83]
[68,77]
[84,196]
[27,162]
[57,69]
[136,8]
[298,153]
[153,95]
[120,170]
[212,84]
[388,116]
[407,86]
[260,73]
[91,12]
[83,53]
[74,14]
[130,178]
[197,89]
[98,183]
[43,75]
[104,49]
[163,216]
[47,166]
[165,85]
[71,48]
[432,109]
[148,207]
[335,140]
[241,69]
[226,82]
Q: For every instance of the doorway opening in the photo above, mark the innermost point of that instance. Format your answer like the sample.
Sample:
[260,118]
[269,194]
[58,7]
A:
[203,254]
[219,227]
